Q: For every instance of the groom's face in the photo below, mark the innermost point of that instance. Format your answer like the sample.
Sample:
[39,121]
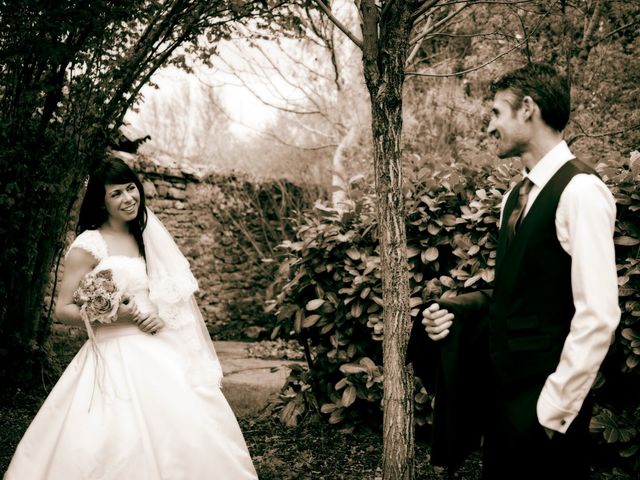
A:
[508,125]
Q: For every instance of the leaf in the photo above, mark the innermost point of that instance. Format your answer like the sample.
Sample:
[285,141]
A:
[352,368]
[415,301]
[611,435]
[368,363]
[348,396]
[429,255]
[472,280]
[448,220]
[342,383]
[628,333]
[629,451]
[297,322]
[328,407]
[290,413]
[310,321]
[275,331]
[433,229]
[626,241]
[447,281]
[327,328]
[336,416]
[488,275]
[314,304]
[353,254]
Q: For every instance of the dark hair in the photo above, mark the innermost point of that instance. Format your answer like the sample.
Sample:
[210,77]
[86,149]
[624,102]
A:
[545,86]
[93,212]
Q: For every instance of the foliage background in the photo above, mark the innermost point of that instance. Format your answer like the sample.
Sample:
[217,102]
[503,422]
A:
[330,287]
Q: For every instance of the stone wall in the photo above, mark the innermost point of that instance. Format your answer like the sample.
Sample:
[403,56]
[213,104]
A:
[232,282]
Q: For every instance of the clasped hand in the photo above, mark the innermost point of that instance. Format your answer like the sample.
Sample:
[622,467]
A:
[147,322]
[437,321]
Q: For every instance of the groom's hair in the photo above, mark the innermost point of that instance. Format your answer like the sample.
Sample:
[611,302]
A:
[545,86]
[93,212]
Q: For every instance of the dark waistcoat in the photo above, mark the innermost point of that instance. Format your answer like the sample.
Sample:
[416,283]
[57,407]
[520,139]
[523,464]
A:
[532,303]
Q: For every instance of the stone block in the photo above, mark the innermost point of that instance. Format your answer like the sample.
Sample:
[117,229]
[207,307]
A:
[176,193]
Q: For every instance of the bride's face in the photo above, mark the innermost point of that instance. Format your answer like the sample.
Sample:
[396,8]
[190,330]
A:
[122,201]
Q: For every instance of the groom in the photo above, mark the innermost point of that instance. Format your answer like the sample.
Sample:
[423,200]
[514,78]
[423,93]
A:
[554,306]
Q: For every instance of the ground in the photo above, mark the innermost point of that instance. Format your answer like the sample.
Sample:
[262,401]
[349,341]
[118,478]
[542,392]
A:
[313,450]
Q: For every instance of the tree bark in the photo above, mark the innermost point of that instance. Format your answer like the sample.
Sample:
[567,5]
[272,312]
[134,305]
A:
[385,43]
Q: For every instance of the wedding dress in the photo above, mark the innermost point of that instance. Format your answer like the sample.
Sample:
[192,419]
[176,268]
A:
[134,406]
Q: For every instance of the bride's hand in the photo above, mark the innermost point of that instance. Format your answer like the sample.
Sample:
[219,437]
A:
[128,310]
[151,323]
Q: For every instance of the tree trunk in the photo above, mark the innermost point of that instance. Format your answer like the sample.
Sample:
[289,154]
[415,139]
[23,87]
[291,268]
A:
[384,59]
[339,176]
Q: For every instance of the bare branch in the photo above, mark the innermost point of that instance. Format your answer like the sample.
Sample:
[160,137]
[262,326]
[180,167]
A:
[613,32]
[270,135]
[524,31]
[416,47]
[423,10]
[599,135]
[436,25]
[455,74]
[473,35]
[338,23]
[590,27]
[264,101]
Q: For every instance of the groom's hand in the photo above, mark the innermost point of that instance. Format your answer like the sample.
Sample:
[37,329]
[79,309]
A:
[437,321]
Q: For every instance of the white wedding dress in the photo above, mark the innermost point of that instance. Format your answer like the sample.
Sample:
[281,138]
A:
[136,413]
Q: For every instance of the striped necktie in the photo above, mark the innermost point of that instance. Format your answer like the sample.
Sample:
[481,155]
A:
[524,187]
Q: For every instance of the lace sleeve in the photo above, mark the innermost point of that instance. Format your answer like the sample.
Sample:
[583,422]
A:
[90,241]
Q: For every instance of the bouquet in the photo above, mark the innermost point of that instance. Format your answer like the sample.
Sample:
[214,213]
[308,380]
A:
[98,297]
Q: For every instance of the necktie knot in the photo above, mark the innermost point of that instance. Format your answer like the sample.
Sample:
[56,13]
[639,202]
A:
[516,214]
[525,187]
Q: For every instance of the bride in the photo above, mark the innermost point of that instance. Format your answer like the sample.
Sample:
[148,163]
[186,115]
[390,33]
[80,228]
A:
[141,399]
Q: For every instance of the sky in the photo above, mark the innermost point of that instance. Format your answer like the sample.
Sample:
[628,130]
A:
[246,111]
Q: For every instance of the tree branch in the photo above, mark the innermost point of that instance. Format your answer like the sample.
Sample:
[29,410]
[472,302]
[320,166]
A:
[599,135]
[427,31]
[422,10]
[610,34]
[455,74]
[338,23]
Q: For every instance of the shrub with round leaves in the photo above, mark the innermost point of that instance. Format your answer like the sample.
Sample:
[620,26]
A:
[329,291]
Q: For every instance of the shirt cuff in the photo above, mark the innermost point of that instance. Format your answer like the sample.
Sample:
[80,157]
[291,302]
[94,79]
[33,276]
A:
[552,416]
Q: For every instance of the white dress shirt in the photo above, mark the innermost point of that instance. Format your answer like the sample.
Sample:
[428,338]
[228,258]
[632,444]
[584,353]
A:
[585,221]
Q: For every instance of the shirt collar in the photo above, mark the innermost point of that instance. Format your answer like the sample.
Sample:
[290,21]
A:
[549,164]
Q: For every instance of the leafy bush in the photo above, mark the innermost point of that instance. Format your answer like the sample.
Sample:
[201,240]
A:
[617,415]
[329,291]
